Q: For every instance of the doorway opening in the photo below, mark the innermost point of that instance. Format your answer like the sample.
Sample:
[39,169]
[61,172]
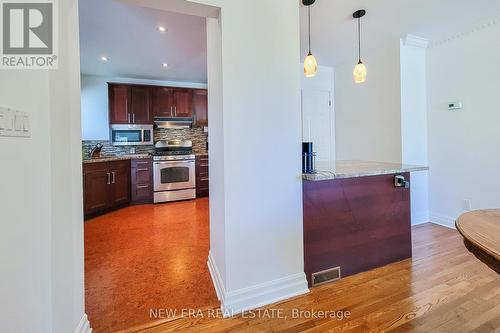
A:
[145,132]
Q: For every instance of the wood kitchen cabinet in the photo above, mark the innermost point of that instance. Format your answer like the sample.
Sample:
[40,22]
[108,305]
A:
[120,183]
[183,103]
[129,104]
[142,181]
[202,187]
[162,102]
[140,105]
[200,107]
[106,186]
[118,104]
[96,187]
[172,102]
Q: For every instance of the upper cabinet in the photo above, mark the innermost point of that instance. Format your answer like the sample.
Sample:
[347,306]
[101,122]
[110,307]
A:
[172,102]
[129,104]
[118,104]
[162,102]
[183,103]
[139,104]
[200,107]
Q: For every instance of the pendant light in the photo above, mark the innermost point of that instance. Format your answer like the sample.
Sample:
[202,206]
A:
[310,63]
[360,71]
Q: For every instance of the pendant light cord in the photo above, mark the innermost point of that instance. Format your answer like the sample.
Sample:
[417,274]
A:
[359,39]
[309,15]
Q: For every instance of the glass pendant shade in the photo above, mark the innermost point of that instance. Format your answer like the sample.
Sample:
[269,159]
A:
[310,66]
[360,72]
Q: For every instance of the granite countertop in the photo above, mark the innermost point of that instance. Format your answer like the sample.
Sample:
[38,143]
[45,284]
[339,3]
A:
[327,170]
[117,158]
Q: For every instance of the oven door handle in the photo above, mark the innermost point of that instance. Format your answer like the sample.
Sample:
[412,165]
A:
[174,162]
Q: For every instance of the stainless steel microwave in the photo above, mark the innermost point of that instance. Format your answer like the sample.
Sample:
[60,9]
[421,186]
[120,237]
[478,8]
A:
[131,135]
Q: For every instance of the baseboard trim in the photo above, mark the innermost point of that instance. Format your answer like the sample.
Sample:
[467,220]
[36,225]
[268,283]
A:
[84,325]
[420,219]
[216,277]
[245,299]
[442,220]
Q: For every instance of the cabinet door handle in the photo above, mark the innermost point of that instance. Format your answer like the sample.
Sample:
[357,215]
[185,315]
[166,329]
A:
[142,169]
[175,111]
[171,110]
[133,118]
[114,177]
[128,118]
[142,186]
[109,178]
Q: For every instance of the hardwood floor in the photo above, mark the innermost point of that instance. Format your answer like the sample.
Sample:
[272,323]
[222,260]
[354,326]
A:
[442,289]
[146,257]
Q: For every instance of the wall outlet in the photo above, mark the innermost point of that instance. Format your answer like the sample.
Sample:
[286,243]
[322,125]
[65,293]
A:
[466,205]
[454,106]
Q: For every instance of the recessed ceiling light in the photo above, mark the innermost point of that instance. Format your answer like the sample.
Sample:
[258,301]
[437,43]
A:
[164,65]
[161,28]
[104,58]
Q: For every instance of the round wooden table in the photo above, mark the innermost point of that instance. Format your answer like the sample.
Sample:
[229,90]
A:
[481,232]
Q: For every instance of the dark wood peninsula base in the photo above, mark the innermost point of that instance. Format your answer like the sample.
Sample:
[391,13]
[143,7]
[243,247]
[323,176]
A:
[355,223]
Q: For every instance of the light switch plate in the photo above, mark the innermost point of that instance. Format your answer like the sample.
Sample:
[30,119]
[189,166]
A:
[3,116]
[14,123]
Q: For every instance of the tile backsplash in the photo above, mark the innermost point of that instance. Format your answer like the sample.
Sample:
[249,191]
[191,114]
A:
[197,135]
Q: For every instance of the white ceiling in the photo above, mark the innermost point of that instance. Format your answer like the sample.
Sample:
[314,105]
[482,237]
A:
[334,31]
[128,36]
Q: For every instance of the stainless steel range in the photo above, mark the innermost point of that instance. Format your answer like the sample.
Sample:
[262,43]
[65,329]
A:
[174,171]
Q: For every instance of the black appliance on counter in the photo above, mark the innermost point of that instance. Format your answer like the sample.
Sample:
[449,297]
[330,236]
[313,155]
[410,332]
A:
[308,158]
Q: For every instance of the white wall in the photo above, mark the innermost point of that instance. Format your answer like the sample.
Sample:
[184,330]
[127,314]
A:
[94,102]
[262,258]
[317,99]
[463,145]
[256,241]
[41,238]
[25,205]
[216,148]
[263,196]
[414,122]
[368,115]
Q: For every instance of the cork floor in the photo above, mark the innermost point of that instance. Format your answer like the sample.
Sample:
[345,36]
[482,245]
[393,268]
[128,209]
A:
[143,258]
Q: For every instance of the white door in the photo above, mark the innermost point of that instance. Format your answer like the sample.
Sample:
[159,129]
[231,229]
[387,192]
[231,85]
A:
[318,123]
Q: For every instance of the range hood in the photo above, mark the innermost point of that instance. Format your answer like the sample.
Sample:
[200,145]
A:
[167,122]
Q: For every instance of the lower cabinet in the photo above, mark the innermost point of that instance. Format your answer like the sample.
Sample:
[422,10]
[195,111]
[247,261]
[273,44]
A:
[142,181]
[106,185]
[202,176]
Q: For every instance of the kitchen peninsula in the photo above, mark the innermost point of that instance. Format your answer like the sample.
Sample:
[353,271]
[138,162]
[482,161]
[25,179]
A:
[356,217]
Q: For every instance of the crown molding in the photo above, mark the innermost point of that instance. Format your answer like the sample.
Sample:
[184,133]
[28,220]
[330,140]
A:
[477,27]
[412,40]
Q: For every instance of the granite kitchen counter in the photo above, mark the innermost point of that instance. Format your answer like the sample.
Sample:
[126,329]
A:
[328,170]
[117,158]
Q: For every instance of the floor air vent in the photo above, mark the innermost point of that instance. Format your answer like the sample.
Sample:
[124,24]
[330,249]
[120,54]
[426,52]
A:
[325,276]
